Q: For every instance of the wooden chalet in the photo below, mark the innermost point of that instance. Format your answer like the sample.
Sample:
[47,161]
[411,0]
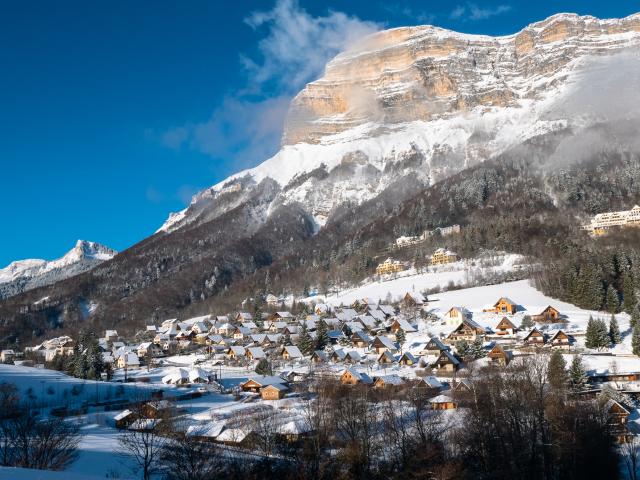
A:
[505,306]
[548,315]
[156,409]
[535,337]
[434,346]
[274,391]
[456,315]
[402,325]
[468,330]
[257,383]
[360,339]
[408,359]
[498,356]
[412,300]
[617,416]
[505,327]
[352,377]
[443,402]
[291,352]
[560,339]
[389,382]
[447,362]
[381,344]
[386,358]
[319,356]
[125,418]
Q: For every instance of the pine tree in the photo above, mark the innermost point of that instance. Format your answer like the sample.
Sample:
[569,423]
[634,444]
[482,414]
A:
[264,367]
[635,339]
[94,359]
[400,337]
[527,323]
[613,301]
[463,348]
[635,317]
[577,374]
[322,336]
[477,349]
[614,331]
[628,294]
[556,371]
[305,342]
[603,339]
[590,336]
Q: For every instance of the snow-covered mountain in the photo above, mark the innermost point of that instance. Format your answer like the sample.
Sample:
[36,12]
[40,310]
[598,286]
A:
[414,105]
[24,275]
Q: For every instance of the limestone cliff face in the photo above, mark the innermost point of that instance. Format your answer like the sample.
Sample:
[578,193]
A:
[427,73]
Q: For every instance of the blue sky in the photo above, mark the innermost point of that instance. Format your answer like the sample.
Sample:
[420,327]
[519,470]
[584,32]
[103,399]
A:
[113,113]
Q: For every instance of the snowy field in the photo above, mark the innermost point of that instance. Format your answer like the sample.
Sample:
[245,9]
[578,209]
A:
[411,281]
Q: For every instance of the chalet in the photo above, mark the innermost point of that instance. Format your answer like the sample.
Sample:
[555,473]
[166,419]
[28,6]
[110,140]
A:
[442,256]
[407,359]
[271,300]
[468,330]
[381,344]
[274,391]
[401,324]
[236,351]
[200,327]
[346,314]
[128,360]
[319,356]
[291,352]
[617,416]
[498,356]
[226,329]
[463,386]
[240,317]
[446,362]
[251,326]
[560,339]
[377,315]
[197,375]
[352,357]
[429,383]
[277,326]
[7,356]
[548,315]
[434,346]
[148,348]
[505,327]
[337,356]
[389,382]
[411,300]
[282,316]
[240,333]
[370,324]
[178,376]
[125,418]
[455,315]
[504,306]
[388,310]
[535,337]
[386,358]
[352,377]
[156,409]
[111,335]
[257,383]
[360,339]
[442,402]
[255,353]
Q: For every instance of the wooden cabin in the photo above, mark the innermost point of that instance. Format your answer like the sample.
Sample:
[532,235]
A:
[360,339]
[412,300]
[402,325]
[125,418]
[535,337]
[468,330]
[548,315]
[382,344]
[456,315]
[389,382]
[257,383]
[407,359]
[446,362]
[443,402]
[352,377]
[498,356]
[505,327]
[319,356]
[505,306]
[386,358]
[560,339]
[617,416]
[274,391]
[434,346]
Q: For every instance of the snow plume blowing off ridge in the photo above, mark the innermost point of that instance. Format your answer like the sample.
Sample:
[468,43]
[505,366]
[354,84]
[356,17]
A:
[247,126]
[605,93]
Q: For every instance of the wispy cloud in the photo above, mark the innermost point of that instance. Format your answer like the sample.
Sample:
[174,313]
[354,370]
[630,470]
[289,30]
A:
[295,46]
[472,12]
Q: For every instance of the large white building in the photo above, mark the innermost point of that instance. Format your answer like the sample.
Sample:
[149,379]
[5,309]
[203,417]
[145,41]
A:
[604,221]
